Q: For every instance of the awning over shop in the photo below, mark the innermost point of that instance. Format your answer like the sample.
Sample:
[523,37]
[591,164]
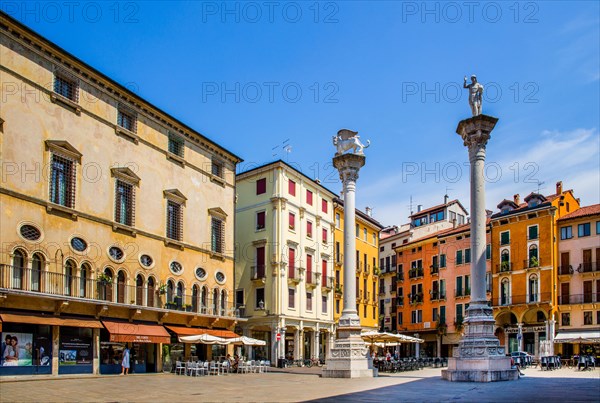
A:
[191,331]
[136,332]
[581,336]
[50,320]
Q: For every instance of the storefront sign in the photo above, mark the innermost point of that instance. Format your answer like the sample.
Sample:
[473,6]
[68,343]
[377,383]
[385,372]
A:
[526,329]
[16,349]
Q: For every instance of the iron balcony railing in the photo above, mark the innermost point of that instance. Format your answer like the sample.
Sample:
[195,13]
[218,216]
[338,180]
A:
[565,270]
[201,300]
[258,272]
[533,298]
[415,272]
[588,267]
[504,267]
[434,269]
[532,263]
[310,278]
[327,282]
[587,298]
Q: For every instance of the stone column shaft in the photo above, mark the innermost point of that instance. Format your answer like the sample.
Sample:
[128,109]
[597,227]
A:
[478,221]
[349,308]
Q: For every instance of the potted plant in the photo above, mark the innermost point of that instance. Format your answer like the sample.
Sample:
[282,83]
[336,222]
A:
[441,327]
[162,289]
[533,262]
[187,307]
[458,323]
[104,279]
[376,271]
[338,289]
[504,266]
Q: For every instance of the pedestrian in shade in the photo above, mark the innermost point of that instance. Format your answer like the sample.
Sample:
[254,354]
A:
[125,362]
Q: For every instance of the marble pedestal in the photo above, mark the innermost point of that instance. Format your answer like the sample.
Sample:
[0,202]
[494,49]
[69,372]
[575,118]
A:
[349,357]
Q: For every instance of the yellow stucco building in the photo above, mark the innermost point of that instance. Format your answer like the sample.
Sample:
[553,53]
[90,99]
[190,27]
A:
[117,219]
[367,270]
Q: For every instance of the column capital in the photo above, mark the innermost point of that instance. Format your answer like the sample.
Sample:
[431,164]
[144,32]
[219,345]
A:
[476,131]
[348,166]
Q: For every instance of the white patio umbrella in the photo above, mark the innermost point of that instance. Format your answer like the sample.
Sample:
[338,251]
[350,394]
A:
[247,341]
[373,337]
[203,339]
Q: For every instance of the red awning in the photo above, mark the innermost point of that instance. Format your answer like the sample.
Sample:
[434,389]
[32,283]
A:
[136,332]
[191,331]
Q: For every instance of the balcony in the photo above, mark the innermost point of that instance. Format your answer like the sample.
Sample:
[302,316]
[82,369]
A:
[327,283]
[504,267]
[258,273]
[434,270]
[565,270]
[532,263]
[293,274]
[311,281]
[437,296]
[382,290]
[416,272]
[366,268]
[339,259]
[589,298]
[400,276]
[415,298]
[588,267]
[537,298]
[400,300]
[106,290]
[359,267]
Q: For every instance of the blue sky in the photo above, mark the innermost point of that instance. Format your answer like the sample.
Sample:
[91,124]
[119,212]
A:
[250,76]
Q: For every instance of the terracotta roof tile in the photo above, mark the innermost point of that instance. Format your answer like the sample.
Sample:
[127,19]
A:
[585,211]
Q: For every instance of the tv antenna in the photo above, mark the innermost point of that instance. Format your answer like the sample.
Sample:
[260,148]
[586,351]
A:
[539,186]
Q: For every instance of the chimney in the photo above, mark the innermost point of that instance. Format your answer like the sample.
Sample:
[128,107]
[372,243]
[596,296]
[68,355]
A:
[445,199]
[517,199]
[419,207]
[558,187]
[369,211]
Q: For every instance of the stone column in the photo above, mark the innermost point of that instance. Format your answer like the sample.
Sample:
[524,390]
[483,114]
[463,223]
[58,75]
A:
[479,357]
[55,348]
[439,346]
[348,357]
[417,347]
[536,346]
[550,335]
[96,351]
[520,336]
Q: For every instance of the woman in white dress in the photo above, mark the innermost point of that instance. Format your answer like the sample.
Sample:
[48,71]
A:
[11,353]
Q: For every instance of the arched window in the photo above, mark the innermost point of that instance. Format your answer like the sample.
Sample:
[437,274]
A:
[37,266]
[18,269]
[505,260]
[84,278]
[533,284]
[195,298]
[121,286]
[204,300]
[215,301]
[223,302]
[179,297]
[139,290]
[533,256]
[170,290]
[69,273]
[106,285]
[505,292]
[151,291]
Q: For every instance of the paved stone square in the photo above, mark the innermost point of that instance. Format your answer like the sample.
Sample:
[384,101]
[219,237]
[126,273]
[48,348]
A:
[304,384]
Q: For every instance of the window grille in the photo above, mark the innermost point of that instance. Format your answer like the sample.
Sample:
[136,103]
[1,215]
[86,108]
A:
[124,203]
[30,232]
[217,169]
[127,120]
[62,181]
[176,145]
[174,221]
[217,235]
[66,87]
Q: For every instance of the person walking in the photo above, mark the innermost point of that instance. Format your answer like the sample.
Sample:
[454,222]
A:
[125,362]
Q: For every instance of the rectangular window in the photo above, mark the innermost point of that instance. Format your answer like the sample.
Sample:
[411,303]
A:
[459,257]
[324,235]
[309,301]
[434,314]
[443,260]
[467,285]
[309,269]
[597,227]
[337,306]
[174,220]
[468,255]
[459,287]
[292,187]
[324,271]
[291,263]
[217,169]
[127,120]
[365,232]
[291,298]
[176,145]
[309,229]
[587,318]
[62,181]
[374,235]
[323,304]
[324,206]
[124,202]
[292,221]
[488,251]
[399,318]
[442,314]
[583,229]
[239,297]
[504,238]
[566,232]
[357,230]
[532,232]
[66,87]
[260,220]
[417,316]
[259,300]
[459,312]
[217,237]
[309,197]
[338,221]
[261,186]
[565,319]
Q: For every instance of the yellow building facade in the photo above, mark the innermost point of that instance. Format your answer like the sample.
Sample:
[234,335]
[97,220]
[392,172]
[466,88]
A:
[117,218]
[367,270]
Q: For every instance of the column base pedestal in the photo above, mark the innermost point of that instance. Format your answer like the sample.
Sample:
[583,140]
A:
[479,370]
[349,357]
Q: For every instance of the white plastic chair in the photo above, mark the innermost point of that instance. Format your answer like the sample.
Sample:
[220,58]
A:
[213,368]
[267,365]
[179,368]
